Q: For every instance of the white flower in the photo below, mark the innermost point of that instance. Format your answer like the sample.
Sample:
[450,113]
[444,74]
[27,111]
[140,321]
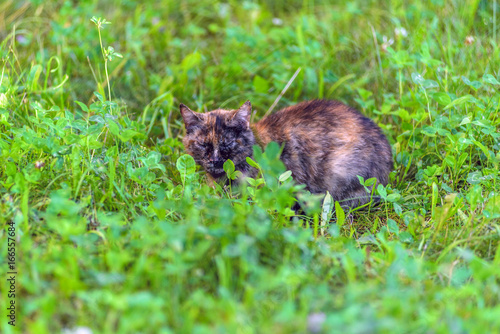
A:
[223,10]
[315,322]
[39,164]
[400,32]
[387,42]
[469,40]
[77,330]
[277,21]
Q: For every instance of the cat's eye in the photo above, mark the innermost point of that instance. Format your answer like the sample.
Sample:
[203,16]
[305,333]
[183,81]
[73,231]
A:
[205,145]
[229,142]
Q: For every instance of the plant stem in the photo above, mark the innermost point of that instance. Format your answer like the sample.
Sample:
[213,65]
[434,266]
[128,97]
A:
[105,63]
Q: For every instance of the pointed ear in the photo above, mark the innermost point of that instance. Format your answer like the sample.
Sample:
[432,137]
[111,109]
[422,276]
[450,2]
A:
[191,119]
[242,115]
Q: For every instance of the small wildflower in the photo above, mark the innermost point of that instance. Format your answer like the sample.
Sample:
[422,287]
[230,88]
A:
[39,164]
[77,330]
[315,322]
[469,40]
[21,39]
[400,32]
[387,42]
[277,21]
[224,10]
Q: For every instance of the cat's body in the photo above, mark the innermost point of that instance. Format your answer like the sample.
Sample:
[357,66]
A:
[326,145]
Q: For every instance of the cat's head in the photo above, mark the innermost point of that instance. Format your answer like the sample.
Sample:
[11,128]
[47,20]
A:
[214,137]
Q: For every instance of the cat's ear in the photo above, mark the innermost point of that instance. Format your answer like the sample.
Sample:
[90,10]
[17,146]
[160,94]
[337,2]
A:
[191,119]
[242,115]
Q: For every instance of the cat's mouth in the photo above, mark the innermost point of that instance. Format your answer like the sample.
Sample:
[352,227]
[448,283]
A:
[217,173]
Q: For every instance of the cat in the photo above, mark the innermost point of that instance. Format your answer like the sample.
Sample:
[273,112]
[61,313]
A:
[326,145]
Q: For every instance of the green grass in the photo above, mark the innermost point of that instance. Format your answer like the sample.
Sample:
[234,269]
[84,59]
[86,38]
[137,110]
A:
[118,231]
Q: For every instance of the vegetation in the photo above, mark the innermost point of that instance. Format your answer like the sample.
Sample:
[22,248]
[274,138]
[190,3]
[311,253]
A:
[118,231]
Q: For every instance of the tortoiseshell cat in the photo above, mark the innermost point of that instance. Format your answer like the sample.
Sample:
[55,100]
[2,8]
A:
[326,144]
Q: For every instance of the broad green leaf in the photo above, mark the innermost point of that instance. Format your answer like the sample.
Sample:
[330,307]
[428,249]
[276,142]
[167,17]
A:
[326,211]
[431,170]
[83,106]
[186,166]
[394,197]
[339,212]
[434,199]
[466,120]
[428,83]
[381,191]
[474,84]
[190,61]
[475,177]
[370,182]
[128,134]
[459,101]
[450,161]
[429,131]
[425,83]
[490,79]
[492,208]
[229,167]
[482,122]
[392,226]
[255,182]
[283,177]
[252,163]
[474,195]
[236,174]
[397,208]
[114,128]
[483,148]
[260,85]
[417,78]
[365,94]
[442,98]
[99,96]
[272,150]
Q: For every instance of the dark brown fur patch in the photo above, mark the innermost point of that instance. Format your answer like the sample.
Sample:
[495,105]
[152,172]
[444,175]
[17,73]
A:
[326,145]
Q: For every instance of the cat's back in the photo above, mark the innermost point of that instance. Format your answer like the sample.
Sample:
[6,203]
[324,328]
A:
[308,113]
[327,144]
[318,119]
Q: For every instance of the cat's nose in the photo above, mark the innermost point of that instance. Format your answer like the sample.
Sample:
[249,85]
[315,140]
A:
[213,159]
[215,156]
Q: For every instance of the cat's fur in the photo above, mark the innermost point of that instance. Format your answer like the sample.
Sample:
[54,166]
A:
[326,145]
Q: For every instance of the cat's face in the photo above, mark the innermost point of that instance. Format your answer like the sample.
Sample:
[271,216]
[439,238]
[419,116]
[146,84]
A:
[214,137]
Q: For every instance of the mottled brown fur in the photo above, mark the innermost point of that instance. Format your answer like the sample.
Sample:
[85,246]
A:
[326,145]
